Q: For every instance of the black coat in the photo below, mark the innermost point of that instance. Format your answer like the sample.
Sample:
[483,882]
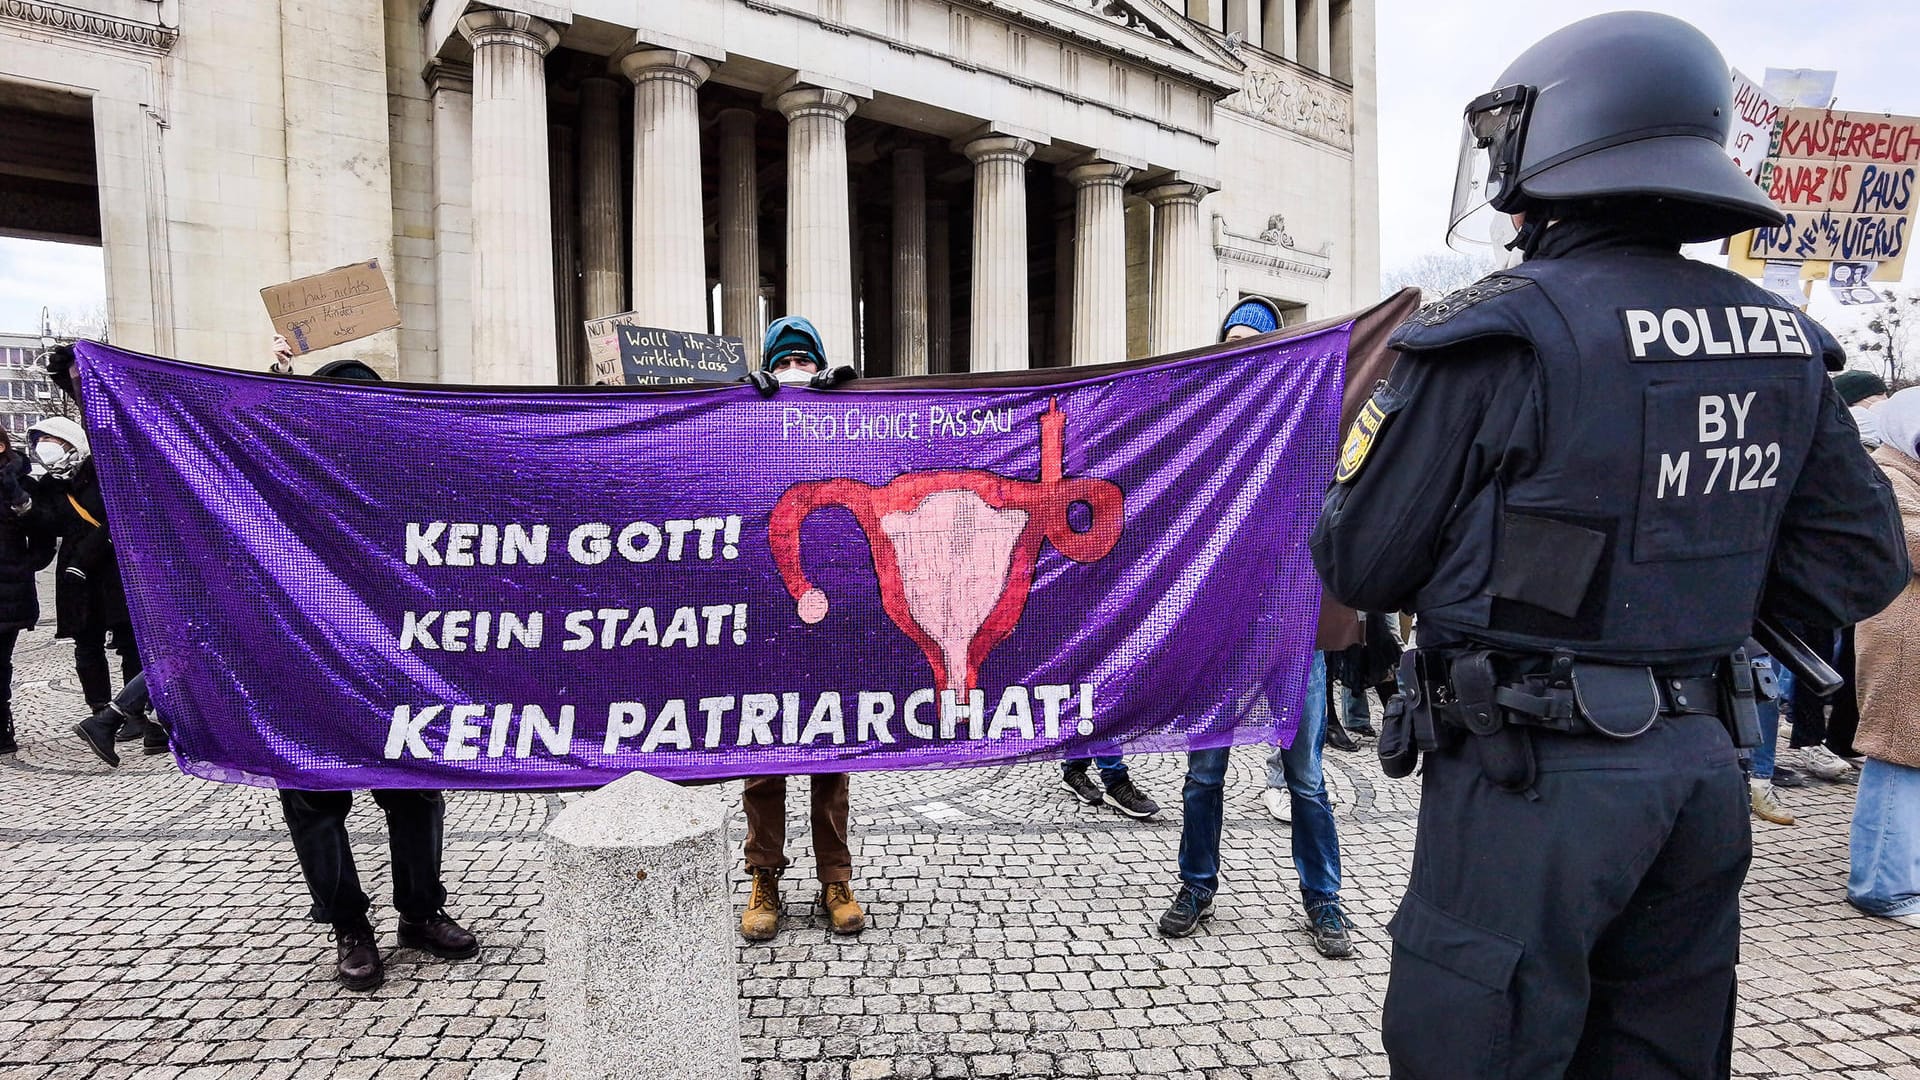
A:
[87,595]
[27,545]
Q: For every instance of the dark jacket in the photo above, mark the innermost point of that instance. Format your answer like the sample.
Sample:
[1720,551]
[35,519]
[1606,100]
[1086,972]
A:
[87,595]
[27,543]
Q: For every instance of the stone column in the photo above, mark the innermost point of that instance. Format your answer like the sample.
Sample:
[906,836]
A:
[1181,314]
[1099,261]
[939,287]
[1060,347]
[819,246]
[999,318]
[739,229]
[642,980]
[1315,44]
[450,87]
[603,259]
[513,320]
[669,245]
[910,261]
[569,343]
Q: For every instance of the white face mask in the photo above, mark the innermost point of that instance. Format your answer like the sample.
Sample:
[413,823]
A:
[50,453]
[793,375]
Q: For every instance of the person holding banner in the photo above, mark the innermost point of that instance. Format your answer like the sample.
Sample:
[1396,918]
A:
[416,826]
[1293,774]
[793,353]
[89,604]
[1590,476]
[26,547]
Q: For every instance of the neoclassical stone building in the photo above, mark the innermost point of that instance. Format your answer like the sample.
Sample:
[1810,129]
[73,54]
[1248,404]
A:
[938,184]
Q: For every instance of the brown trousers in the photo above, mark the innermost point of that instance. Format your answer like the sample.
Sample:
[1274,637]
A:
[766,805]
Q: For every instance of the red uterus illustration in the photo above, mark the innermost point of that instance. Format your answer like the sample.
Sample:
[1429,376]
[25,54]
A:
[954,550]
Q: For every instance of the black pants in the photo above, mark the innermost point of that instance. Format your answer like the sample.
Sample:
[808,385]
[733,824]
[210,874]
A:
[8,638]
[1590,932]
[90,663]
[415,821]
[1844,722]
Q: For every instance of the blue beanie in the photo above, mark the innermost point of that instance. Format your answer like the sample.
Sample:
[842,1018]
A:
[790,335]
[1256,313]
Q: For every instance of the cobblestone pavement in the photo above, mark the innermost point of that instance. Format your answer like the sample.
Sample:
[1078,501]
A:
[153,926]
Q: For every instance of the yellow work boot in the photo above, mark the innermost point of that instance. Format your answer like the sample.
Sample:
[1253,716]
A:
[761,920]
[1766,805]
[836,898]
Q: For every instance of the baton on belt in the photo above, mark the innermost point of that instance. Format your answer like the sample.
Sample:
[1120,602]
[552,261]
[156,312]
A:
[1806,665]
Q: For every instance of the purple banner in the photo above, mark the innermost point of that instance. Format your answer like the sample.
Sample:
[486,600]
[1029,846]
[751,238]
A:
[341,585]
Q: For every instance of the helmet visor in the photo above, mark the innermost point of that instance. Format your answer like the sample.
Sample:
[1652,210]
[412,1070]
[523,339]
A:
[1488,170]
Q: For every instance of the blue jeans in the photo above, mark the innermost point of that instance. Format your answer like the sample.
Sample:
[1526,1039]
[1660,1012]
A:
[1884,878]
[1316,846]
[1112,769]
[1769,729]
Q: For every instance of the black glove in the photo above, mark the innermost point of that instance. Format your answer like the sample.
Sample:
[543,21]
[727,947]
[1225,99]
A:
[11,491]
[833,377]
[13,467]
[762,381]
[60,359]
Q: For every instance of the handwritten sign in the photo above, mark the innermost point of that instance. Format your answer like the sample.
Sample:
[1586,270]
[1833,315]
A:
[1846,181]
[654,357]
[1825,235]
[603,349]
[340,305]
[1754,117]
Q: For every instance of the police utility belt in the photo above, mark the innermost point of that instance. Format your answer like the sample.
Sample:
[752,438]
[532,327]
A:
[1446,694]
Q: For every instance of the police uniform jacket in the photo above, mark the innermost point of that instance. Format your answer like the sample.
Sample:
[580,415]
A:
[1613,451]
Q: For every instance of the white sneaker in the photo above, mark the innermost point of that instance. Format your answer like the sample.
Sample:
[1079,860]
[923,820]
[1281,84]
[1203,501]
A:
[1279,804]
[1827,765]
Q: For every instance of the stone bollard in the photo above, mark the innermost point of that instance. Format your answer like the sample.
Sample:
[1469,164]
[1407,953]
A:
[640,946]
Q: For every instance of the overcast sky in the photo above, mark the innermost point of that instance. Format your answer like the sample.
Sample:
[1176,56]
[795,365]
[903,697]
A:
[1434,56]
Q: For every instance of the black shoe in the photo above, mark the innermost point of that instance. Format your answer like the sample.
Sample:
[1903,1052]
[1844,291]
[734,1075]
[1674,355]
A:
[97,732]
[155,740]
[1364,730]
[1784,776]
[1078,782]
[1186,913]
[134,728]
[440,935]
[1124,797]
[1329,926]
[1338,738]
[359,966]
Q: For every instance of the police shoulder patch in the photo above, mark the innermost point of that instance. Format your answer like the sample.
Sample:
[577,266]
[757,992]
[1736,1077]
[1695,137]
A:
[1460,300]
[1360,439]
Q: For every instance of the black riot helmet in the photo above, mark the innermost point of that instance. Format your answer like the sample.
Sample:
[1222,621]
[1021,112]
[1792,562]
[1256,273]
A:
[1630,104]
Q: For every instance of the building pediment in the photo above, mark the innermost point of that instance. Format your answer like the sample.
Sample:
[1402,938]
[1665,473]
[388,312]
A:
[1146,31]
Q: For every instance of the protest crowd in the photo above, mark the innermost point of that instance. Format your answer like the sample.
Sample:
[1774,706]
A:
[1364,682]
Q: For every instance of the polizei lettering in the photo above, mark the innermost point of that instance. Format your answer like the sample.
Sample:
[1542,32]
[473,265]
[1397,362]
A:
[1710,333]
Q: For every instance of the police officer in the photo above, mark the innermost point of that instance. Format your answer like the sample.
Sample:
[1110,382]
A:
[1588,475]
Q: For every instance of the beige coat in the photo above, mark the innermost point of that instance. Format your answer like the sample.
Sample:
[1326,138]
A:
[1887,646]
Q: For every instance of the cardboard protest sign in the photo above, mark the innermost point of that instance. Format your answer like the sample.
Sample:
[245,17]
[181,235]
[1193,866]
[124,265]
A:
[653,357]
[340,305]
[603,349]
[1754,117]
[1846,182]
